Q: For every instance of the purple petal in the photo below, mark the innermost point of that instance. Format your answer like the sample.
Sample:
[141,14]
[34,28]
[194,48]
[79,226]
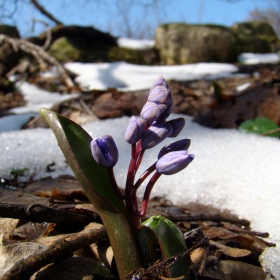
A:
[151,111]
[180,145]
[104,151]
[159,82]
[177,125]
[166,113]
[173,162]
[155,134]
[160,95]
[135,129]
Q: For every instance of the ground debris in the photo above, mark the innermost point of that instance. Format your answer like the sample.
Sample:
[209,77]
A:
[52,213]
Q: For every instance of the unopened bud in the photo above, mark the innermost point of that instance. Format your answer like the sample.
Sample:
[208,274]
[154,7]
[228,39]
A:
[177,125]
[135,129]
[159,82]
[155,134]
[181,145]
[151,111]
[160,95]
[173,162]
[104,151]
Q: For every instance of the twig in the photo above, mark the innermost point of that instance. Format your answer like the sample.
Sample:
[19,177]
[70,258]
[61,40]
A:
[61,249]
[40,213]
[156,269]
[45,12]
[39,53]
[48,32]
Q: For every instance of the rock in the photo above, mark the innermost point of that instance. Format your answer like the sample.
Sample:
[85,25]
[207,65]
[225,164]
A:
[255,37]
[86,44]
[180,43]
[8,57]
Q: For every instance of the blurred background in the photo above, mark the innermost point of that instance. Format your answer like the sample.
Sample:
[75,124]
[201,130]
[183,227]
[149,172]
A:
[134,18]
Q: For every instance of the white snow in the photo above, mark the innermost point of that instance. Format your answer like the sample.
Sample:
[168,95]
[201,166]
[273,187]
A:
[135,44]
[125,76]
[37,98]
[256,58]
[231,170]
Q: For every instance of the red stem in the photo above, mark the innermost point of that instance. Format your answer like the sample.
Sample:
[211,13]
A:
[144,176]
[148,192]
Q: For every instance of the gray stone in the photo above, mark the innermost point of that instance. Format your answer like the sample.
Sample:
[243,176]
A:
[180,43]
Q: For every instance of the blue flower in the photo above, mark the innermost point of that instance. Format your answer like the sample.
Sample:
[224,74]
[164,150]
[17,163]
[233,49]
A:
[105,151]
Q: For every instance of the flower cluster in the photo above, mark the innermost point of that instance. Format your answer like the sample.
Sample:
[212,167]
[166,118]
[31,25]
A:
[145,132]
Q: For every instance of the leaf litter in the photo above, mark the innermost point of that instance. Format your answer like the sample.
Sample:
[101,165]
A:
[226,247]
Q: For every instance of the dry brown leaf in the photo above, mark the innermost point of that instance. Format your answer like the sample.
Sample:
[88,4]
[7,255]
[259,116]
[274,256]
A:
[103,252]
[234,270]
[230,251]
[29,231]
[21,198]
[75,268]
[64,188]
[197,255]
[12,253]
[219,232]
[7,225]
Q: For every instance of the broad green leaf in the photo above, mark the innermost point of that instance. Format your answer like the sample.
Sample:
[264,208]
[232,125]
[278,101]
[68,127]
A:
[171,242]
[148,244]
[259,126]
[74,142]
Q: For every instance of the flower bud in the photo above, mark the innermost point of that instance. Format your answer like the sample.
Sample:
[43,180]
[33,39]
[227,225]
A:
[151,111]
[135,129]
[173,162]
[180,145]
[105,151]
[159,82]
[177,125]
[166,113]
[160,95]
[155,134]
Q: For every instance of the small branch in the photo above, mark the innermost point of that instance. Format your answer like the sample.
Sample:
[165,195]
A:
[39,53]
[45,12]
[40,213]
[48,32]
[61,249]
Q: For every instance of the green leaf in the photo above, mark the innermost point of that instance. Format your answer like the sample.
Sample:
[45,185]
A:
[259,126]
[171,242]
[74,142]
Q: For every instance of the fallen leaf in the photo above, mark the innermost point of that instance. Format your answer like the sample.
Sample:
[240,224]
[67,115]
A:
[75,268]
[234,270]
[230,251]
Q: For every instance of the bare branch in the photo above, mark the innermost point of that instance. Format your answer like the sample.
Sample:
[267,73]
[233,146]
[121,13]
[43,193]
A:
[40,213]
[61,249]
[45,12]
[39,53]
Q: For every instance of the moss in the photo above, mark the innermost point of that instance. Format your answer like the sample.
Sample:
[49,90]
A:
[65,50]
[128,55]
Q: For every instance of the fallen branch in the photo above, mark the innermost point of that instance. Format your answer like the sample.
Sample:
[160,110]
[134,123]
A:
[61,249]
[39,53]
[40,213]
